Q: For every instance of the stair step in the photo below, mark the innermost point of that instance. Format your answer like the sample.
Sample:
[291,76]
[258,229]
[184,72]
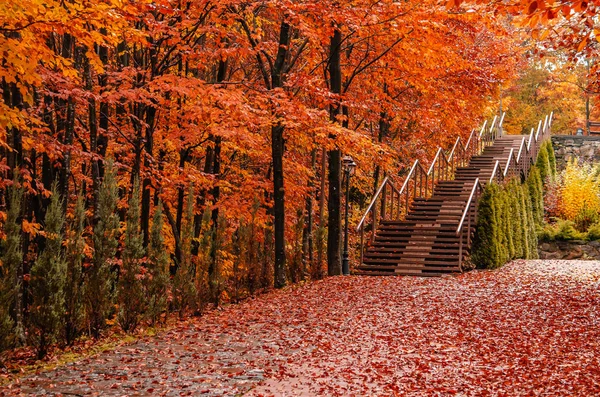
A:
[400,273]
[411,261]
[425,243]
[404,267]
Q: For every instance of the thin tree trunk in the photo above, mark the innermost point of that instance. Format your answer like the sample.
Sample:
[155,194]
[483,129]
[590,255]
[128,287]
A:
[307,232]
[12,96]
[277,149]
[322,198]
[148,147]
[334,266]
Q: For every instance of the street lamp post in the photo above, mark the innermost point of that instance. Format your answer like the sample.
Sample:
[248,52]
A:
[348,165]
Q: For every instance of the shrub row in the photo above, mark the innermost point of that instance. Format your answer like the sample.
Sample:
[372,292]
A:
[93,273]
[546,162]
[565,230]
[509,215]
[506,224]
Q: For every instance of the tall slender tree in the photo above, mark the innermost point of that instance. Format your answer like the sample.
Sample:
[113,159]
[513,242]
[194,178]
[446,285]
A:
[48,279]
[100,277]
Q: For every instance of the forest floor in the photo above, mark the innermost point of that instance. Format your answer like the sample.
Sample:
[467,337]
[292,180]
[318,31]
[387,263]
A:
[530,328]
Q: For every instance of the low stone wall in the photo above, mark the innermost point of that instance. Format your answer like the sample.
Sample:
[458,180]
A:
[566,147]
[570,250]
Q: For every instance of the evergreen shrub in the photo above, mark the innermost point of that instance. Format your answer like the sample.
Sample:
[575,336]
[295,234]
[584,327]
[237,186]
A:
[505,226]
[130,294]
[100,277]
[543,163]
[48,278]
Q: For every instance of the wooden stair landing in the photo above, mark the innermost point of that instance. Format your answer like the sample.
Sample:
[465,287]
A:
[425,243]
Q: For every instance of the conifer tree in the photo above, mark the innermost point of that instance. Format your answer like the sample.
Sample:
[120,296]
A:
[536,195]
[48,277]
[507,219]
[531,229]
[11,328]
[6,322]
[157,282]
[184,290]
[99,280]
[516,218]
[75,255]
[7,281]
[486,250]
[499,232]
[543,163]
[204,245]
[130,294]
[217,282]
[551,158]
[524,220]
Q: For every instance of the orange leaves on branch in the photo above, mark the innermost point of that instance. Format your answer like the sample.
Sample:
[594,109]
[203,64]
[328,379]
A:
[532,7]
[582,44]
[31,228]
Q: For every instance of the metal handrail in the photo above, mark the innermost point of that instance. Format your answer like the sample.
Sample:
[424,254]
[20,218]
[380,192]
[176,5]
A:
[412,171]
[526,152]
[510,157]
[476,185]
[531,150]
[496,166]
[470,215]
[455,145]
[373,201]
[435,159]
[392,203]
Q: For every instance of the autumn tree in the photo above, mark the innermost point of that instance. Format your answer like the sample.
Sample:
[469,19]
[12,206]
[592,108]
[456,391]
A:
[251,103]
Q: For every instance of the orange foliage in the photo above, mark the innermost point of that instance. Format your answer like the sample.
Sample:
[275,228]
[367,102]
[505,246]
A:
[182,92]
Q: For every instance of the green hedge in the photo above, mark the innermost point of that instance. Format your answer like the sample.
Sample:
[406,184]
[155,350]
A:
[551,157]
[543,163]
[564,230]
[509,216]
[535,189]
[546,161]
[505,226]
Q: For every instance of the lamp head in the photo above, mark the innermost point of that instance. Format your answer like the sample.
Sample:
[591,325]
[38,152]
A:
[348,164]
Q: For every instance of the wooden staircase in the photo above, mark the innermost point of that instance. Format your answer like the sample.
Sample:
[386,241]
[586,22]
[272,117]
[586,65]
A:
[427,231]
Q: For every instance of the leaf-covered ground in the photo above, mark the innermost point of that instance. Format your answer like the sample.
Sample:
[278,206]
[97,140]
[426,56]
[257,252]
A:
[529,329]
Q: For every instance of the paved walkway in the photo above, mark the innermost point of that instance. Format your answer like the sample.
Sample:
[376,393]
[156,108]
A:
[531,328]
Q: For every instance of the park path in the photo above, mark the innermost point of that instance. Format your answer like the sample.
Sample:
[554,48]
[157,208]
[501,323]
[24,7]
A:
[531,328]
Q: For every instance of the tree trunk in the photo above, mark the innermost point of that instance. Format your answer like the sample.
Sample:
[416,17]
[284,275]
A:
[322,199]
[307,231]
[277,149]
[334,266]
[216,192]
[384,127]
[148,147]
[279,204]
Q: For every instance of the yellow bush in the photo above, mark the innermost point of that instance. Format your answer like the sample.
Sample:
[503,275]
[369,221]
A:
[580,190]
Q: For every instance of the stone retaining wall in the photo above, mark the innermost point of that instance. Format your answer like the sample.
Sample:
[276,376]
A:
[586,148]
[570,250]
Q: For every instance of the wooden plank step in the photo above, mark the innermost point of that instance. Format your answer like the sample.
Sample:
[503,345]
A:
[404,267]
[416,240]
[413,250]
[410,261]
[409,248]
[380,273]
